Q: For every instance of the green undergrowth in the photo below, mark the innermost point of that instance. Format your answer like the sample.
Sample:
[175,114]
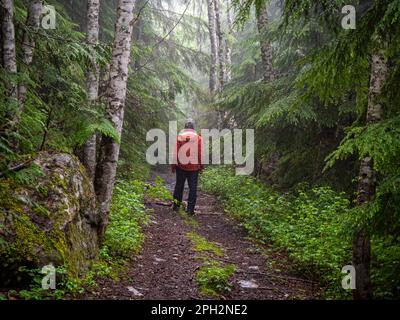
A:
[213,276]
[123,239]
[127,216]
[124,235]
[313,226]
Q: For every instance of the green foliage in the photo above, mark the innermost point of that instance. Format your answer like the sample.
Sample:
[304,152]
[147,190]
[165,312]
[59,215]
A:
[213,278]
[158,190]
[103,127]
[379,141]
[314,226]
[124,233]
[65,284]
[29,175]
[201,244]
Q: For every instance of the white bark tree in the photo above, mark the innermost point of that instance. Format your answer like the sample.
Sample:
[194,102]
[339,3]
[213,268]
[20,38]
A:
[8,45]
[28,46]
[228,48]
[109,148]
[214,47]
[367,178]
[221,45]
[265,46]
[92,82]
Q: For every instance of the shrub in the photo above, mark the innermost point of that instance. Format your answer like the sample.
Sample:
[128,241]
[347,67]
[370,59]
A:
[311,225]
[124,236]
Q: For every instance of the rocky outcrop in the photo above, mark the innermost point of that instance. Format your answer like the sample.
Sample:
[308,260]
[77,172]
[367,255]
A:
[47,215]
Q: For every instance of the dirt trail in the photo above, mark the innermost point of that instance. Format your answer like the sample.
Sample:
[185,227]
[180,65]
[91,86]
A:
[167,265]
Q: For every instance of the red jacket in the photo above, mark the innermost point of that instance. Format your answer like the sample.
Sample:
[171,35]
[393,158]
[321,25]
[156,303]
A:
[188,151]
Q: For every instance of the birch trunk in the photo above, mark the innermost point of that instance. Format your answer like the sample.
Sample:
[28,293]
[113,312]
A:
[228,49]
[92,83]
[28,47]
[214,47]
[109,148]
[367,180]
[265,46]
[8,48]
[220,37]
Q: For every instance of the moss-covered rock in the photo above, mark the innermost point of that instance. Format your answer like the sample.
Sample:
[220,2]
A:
[51,220]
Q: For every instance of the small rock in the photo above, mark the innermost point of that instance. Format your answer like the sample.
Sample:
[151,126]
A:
[248,284]
[135,292]
[159,259]
[254,268]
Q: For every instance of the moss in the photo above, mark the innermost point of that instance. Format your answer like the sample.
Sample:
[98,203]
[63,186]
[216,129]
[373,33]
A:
[213,277]
[190,221]
[30,238]
[39,223]
[41,211]
[201,244]
[8,200]
[43,191]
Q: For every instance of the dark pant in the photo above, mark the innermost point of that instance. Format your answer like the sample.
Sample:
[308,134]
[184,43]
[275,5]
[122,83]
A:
[192,178]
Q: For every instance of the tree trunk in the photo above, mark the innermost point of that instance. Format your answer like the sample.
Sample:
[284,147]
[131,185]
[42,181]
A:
[214,47]
[265,46]
[138,28]
[92,83]
[228,49]
[109,148]
[28,46]
[221,50]
[367,180]
[9,52]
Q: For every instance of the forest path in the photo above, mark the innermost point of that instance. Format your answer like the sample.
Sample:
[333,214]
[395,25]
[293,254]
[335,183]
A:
[167,265]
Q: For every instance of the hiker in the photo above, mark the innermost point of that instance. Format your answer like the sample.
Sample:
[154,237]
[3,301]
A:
[187,165]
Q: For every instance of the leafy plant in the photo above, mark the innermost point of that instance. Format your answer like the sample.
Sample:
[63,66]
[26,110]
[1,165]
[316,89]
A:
[213,278]
[313,226]
[124,233]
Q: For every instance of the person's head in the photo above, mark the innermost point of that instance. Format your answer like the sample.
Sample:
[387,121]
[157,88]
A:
[189,124]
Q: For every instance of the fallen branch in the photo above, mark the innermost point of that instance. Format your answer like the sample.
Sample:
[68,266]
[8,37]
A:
[17,167]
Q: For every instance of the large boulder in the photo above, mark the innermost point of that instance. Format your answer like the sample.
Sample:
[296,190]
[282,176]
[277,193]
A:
[47,216]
